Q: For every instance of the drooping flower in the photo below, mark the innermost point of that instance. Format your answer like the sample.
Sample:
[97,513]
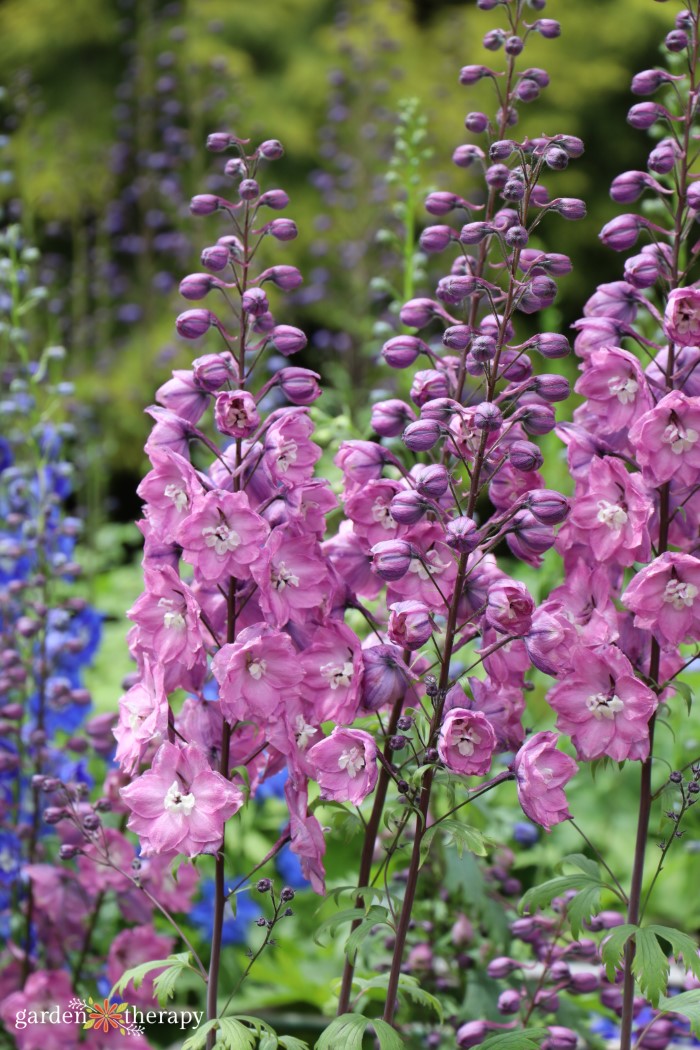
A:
[346,765]
[467,742]
[541,771]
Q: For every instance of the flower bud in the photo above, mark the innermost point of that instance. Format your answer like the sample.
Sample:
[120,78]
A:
[285,277]
[497,176]
[650,80]
[568,207]
[465,156]
[644,114]
[249,189]
[538,419]
[509,1001]
[68,852]
[418,312]
[194,323]
[441,203]
[208,203]
[502,149]
[472,74]
[282,229]
[663,157]
[677,40]
[457,337]
[621,232]
[410,624]
[514,45]
[385,676]
[212,371]
[514,190]
[493,40]
[235,168]
[502,966]
[287,340]
[402,350]
[220,141]
[254,302]
[551,344]
[391,559]
[476,122]
[462,535]
[551,388]
[517,237]
[541,78]
[441,409]
[428,385]
[215,258]
[409,507]
[488,416]
[421,435]
[431,481]
[556,158]
[436,238]
[547,27]
[271,149]
[525,456]
[471,1034]
[475,232]
[275,199]
[583,983]
[453,290]
[299,385]
[548,506]
[560,1038]
[197,286]
[389,418]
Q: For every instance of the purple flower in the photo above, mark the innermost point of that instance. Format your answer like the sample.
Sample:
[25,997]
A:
[467,742]
[541,771]
[664,596]
[345,765]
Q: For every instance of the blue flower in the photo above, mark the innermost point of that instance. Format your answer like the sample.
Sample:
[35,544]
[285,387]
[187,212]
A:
[272,787]
[235,928]
[10,858]
[289,867]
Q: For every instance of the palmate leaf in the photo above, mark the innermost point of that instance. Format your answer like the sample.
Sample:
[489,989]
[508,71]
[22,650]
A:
[164,984]
[586,883]
[463,836]
[408,986]
[687,1004]
[233,1033]
[651,964]
[348,1032]
[530,1040]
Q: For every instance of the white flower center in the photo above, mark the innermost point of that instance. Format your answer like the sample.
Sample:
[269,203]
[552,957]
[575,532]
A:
[236,416]
[466,741]
[686,320]
[222,538]
[283,577]
[337,674]
[352,761]
[172,618]
[680,595]
[679,438]
[286,455]
[602,706]
[381,513]
[177,494]
[256,668]
[624,388]
[611,514]
[176,802]
[303,732]
[435,567]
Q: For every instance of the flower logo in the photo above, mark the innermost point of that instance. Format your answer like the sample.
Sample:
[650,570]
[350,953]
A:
[105,1016]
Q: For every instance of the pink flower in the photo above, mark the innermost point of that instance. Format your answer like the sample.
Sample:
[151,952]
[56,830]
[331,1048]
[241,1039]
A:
[236,413]
[603,707]
[346,765]
[167,619]
[682,317]
[289,454]
[181,804]
[502,702]
[666,440]
[291,575]
[370,509]
[168,491]
[610,518]
[41,994]
[257,673]
[222,536]
[431,569]
[332,665]
[130,948]
[467,742]
[143,717]
[616,389]
[540,774]
[307,842]
[510,607]
[410,624]
[664,597]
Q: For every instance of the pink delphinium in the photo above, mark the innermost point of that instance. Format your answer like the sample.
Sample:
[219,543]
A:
[541,771]
[467,742]
[665,599]
[346,765]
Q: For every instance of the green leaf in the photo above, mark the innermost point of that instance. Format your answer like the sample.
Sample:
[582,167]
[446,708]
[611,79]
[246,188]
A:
[687,1004]
[612,947]
[408,986]
[686,692]
[530,1040]
[231,1033]
[651,965]
[587,884]
[348,1032]
[290,1042]
[377,915]
[339,919]
[464,836]
[164,983]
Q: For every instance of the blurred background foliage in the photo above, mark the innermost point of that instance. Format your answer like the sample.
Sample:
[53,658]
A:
[107,106]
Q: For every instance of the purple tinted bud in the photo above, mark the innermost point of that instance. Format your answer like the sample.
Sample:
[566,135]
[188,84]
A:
[194,323]
[488,416]
[215,258]
[197,286]
[622,232]
[453,290]
[541,78]
[650,80]
[402,350]
[692,196]
[505,218]
[275,199]
[391,559]
[644,114]
[471,1034]
[509,1001]
[249,189]
[526,90]
[457,337]
[497,176]
[476,122]
[488,5]
[389,418]
[556,158]
[68,852]
[502,149]
[213,370]
[552,345]
[417,313]
[538,419]
[514,190]
[441,203]
[571,143]
[431,481]
[407,508]
[583,983]
[605,920]
[483,348]
[441,409]
[539,198]
[421,435]
[568,207]
[385,676]
[475,232]
[254,302]
[428,385]
[208,203]
[233,245]
[676,40]
[628,187]
[462,535]
[493,40]
[663,157]
[547,27]
[552,388]
[299,385]
[472,74]
[263,323]
[282,229]
[525,456]
[502,966]
[287,340]
[235,168]
[514,45]
[465,156]
[561,1038]
[514,365]
[436,238]
[285,277]
[642,271]
[547,506]
[271,149]
[220,141]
